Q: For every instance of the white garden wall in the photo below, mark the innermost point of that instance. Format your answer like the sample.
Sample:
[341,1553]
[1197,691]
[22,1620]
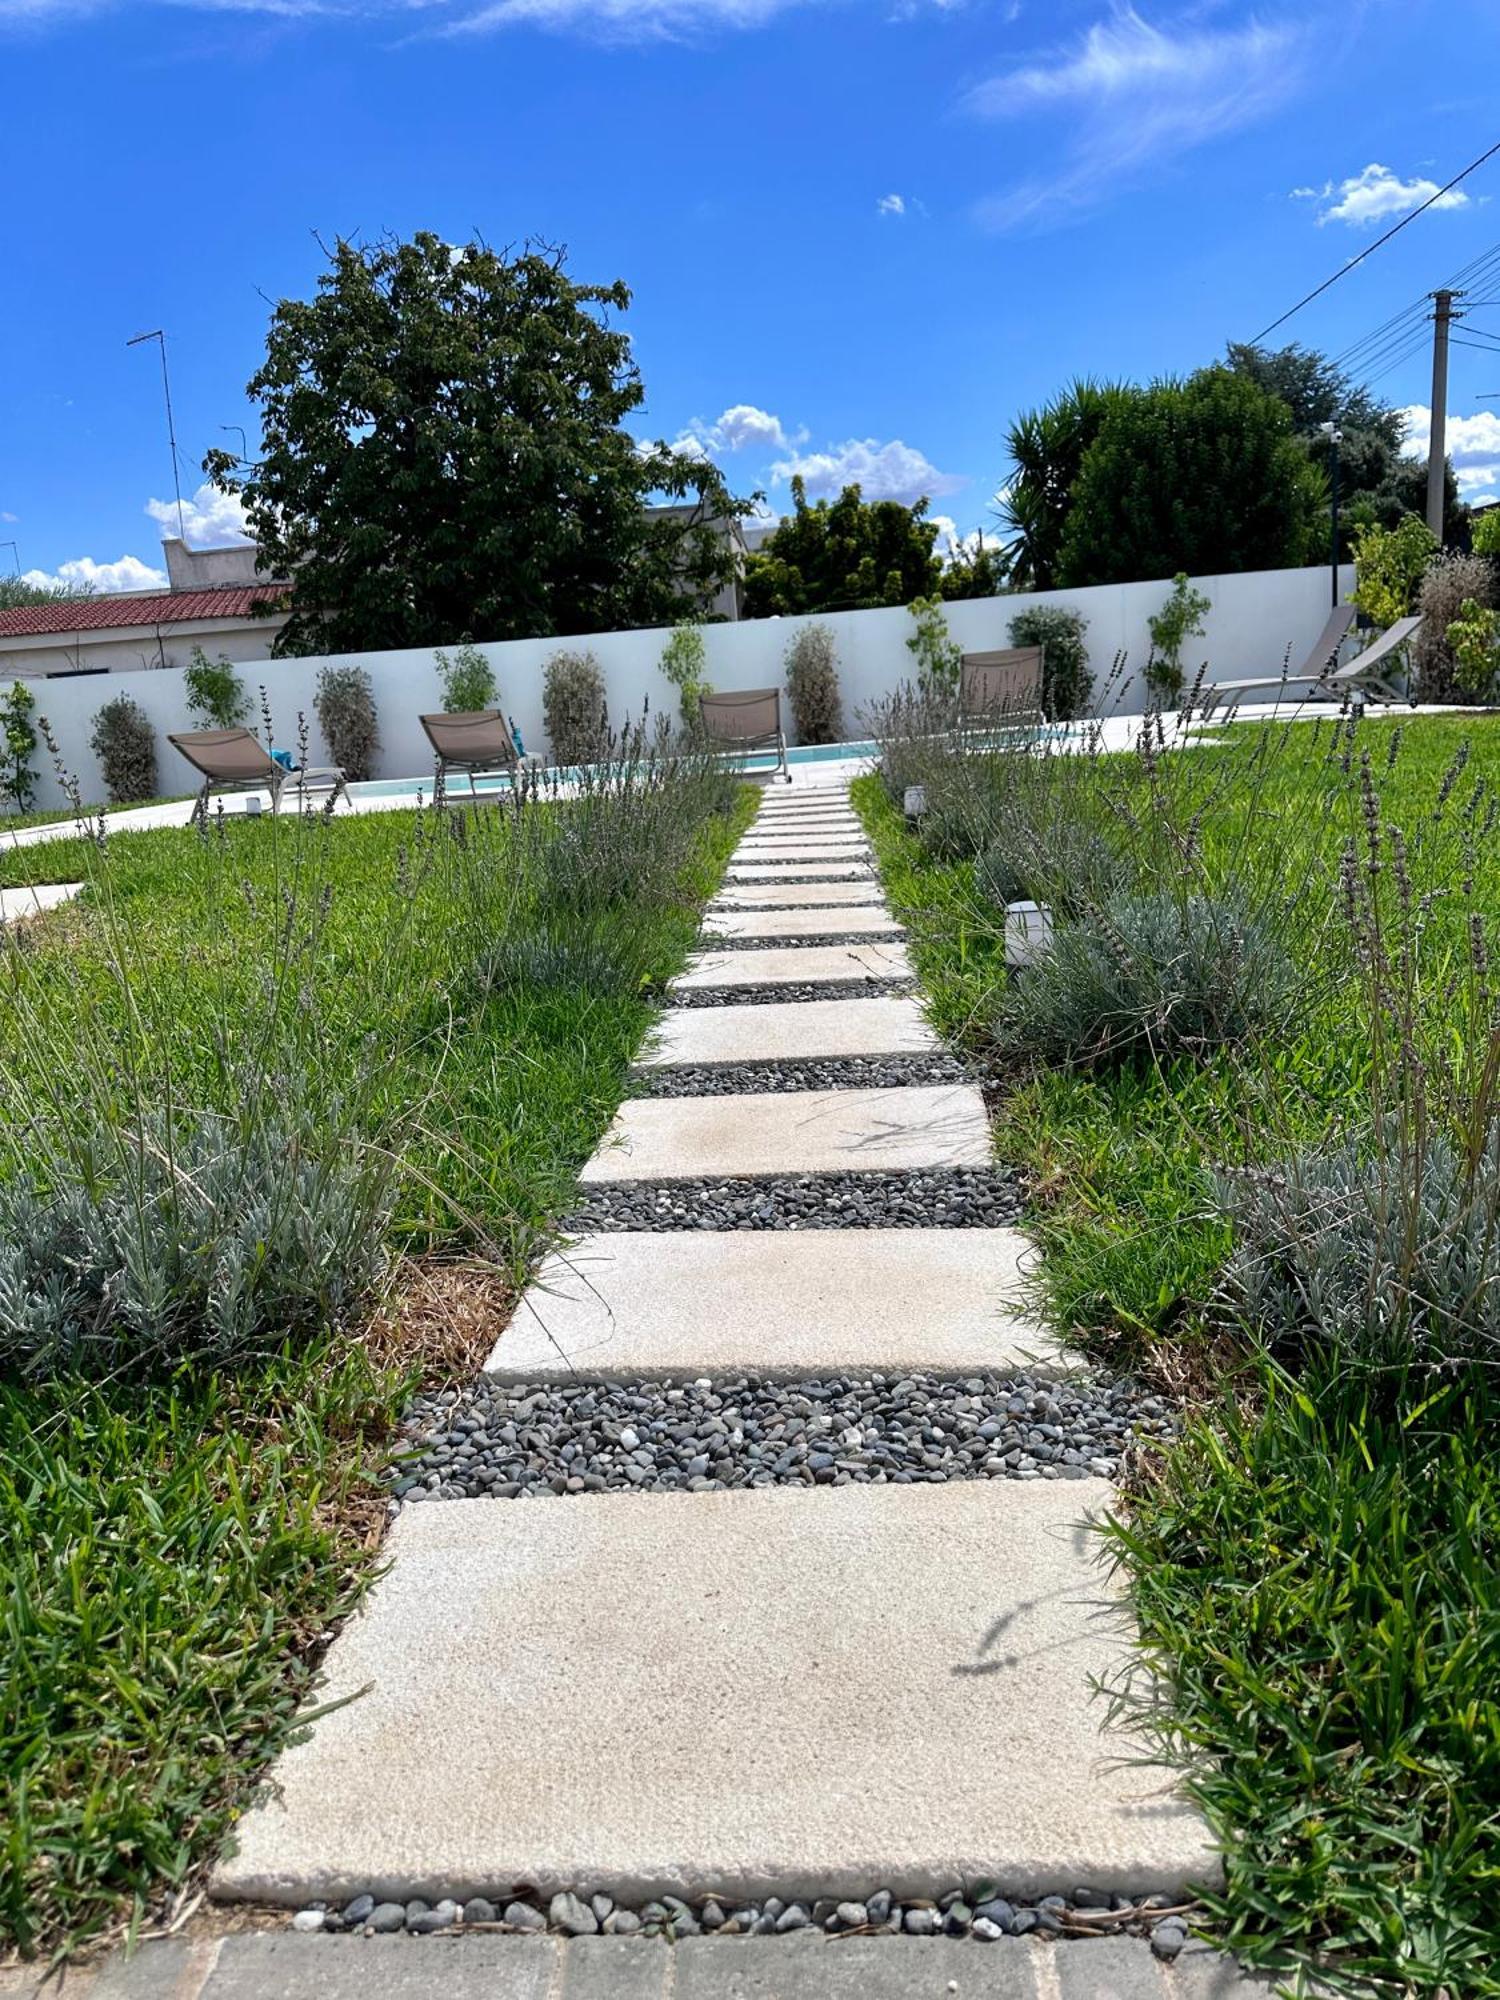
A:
[1255,619]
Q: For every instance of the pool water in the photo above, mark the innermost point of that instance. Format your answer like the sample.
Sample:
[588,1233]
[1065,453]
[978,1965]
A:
[499,785]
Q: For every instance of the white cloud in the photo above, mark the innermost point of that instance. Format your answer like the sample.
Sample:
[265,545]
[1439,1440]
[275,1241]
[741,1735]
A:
[1473,444]
[209,520]
[83,573]
[893,471]
[740,428]
[1130,94]
[891,204]
[1374,193]
[620,20]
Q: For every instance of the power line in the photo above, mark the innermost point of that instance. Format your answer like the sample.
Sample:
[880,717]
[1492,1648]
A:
[1394,230]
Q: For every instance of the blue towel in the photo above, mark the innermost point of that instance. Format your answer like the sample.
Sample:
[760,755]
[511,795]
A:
[285,759]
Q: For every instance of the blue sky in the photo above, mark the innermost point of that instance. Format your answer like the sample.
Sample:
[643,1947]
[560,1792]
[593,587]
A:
[861,237]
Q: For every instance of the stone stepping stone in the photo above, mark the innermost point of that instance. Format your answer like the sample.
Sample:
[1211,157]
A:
[796,1132]
[891,1027]
[756,1692]
[636,1307]
[790,850]
[829,870]
[16,904]
[793,964]
[862,919]
[823,816]
[802,895]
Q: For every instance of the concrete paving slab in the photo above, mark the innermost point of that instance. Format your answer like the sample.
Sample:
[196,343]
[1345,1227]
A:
[797,1132]
[164,1969]
[283,1965]
[776,871]
[831,920]
[801,843]
[858,1968]
[781,1691]
[879,1027]
[808,895]
[32,902]
[609,1968]
[809,963]
[638,1306]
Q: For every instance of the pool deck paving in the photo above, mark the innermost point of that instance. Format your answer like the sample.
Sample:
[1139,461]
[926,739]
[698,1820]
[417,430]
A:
[18,904]
[791,1690]
[638,1307]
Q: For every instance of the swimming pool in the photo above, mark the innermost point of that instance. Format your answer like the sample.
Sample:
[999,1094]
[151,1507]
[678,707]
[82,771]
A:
[498,786]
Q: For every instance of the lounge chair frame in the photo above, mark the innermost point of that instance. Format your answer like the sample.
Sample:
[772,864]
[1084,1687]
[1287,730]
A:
[475,741]
[235,760]
[1001,690]
[745,724]
[1329,681]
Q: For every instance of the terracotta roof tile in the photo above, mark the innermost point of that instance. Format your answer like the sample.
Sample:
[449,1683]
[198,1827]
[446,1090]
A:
[122,608]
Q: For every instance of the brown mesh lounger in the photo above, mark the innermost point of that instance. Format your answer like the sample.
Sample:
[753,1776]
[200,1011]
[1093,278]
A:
[230,760]
[475,740]
[738,725]
[1000,688]
[1365,674]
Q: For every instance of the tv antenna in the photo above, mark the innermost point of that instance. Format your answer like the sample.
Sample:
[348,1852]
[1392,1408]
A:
[160,338]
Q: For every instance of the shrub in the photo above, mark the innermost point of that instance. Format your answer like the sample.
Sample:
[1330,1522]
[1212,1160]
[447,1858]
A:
[573,708]
[1180,619]
[1382,1252]
[1061,861]
[468,680]
[684,660]
[345,703]
[1066,680]
[177,1235]
[216,695]
[938,654]
[1475,639]
[1486,535]
[125,744]
[1147,976]
[1450,581]
[17,778]
[812,684]
[1389,564]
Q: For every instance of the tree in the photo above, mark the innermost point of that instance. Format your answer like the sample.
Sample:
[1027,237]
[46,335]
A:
[1377,484]
[1047,448]
[982,570]
[444,451]
[1203,476]
[16,591]
[845,555]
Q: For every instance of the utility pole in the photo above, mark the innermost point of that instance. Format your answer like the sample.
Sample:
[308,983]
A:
[1437,448]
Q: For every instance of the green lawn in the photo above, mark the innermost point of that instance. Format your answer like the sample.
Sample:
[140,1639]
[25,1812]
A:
[174,1547]
[1317,1567]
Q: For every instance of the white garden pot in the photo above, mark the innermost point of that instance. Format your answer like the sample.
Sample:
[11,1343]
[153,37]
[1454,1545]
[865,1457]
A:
[914,801]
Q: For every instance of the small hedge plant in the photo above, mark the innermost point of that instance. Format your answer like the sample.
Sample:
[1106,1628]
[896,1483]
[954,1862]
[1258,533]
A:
[125,744]
[573,708]
[216,696]
[468,679]
[812,685]
[1066,680]
[684,660]
[18,742]
[345,704]
[1180,619]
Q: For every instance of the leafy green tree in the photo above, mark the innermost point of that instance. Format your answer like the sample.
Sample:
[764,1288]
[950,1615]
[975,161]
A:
[1377,484]
[847,554]
[1204,476]
[1047,449]
[444,451]
[982,571]
[15,592]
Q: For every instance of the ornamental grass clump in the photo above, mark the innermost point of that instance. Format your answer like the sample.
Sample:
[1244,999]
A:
[1147,977]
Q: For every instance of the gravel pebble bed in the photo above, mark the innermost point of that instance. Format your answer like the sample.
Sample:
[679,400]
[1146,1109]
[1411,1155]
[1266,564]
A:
[529,1440]
[787,989]
[977,1913]
[714,941]
[734,1079]
[942,1198]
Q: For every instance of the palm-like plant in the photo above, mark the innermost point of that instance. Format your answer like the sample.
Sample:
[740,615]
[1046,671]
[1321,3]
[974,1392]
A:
[1047,448]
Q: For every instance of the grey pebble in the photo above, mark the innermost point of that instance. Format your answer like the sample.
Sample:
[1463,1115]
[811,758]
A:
[922,1923]
[621,1923]
[571,1916]
[359,1909]
[524,1917]
[986,1930]
[480,1910]
[387,1917]
[793,1918]
[308,1920]
[1168,1938]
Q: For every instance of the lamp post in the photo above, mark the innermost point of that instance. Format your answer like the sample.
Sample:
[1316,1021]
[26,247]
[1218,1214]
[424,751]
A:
[1335,438]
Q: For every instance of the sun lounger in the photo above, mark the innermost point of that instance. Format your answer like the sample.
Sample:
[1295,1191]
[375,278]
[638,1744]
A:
[476,741]
[1001,689]
[1367,674]
[740,725]
[235,760]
